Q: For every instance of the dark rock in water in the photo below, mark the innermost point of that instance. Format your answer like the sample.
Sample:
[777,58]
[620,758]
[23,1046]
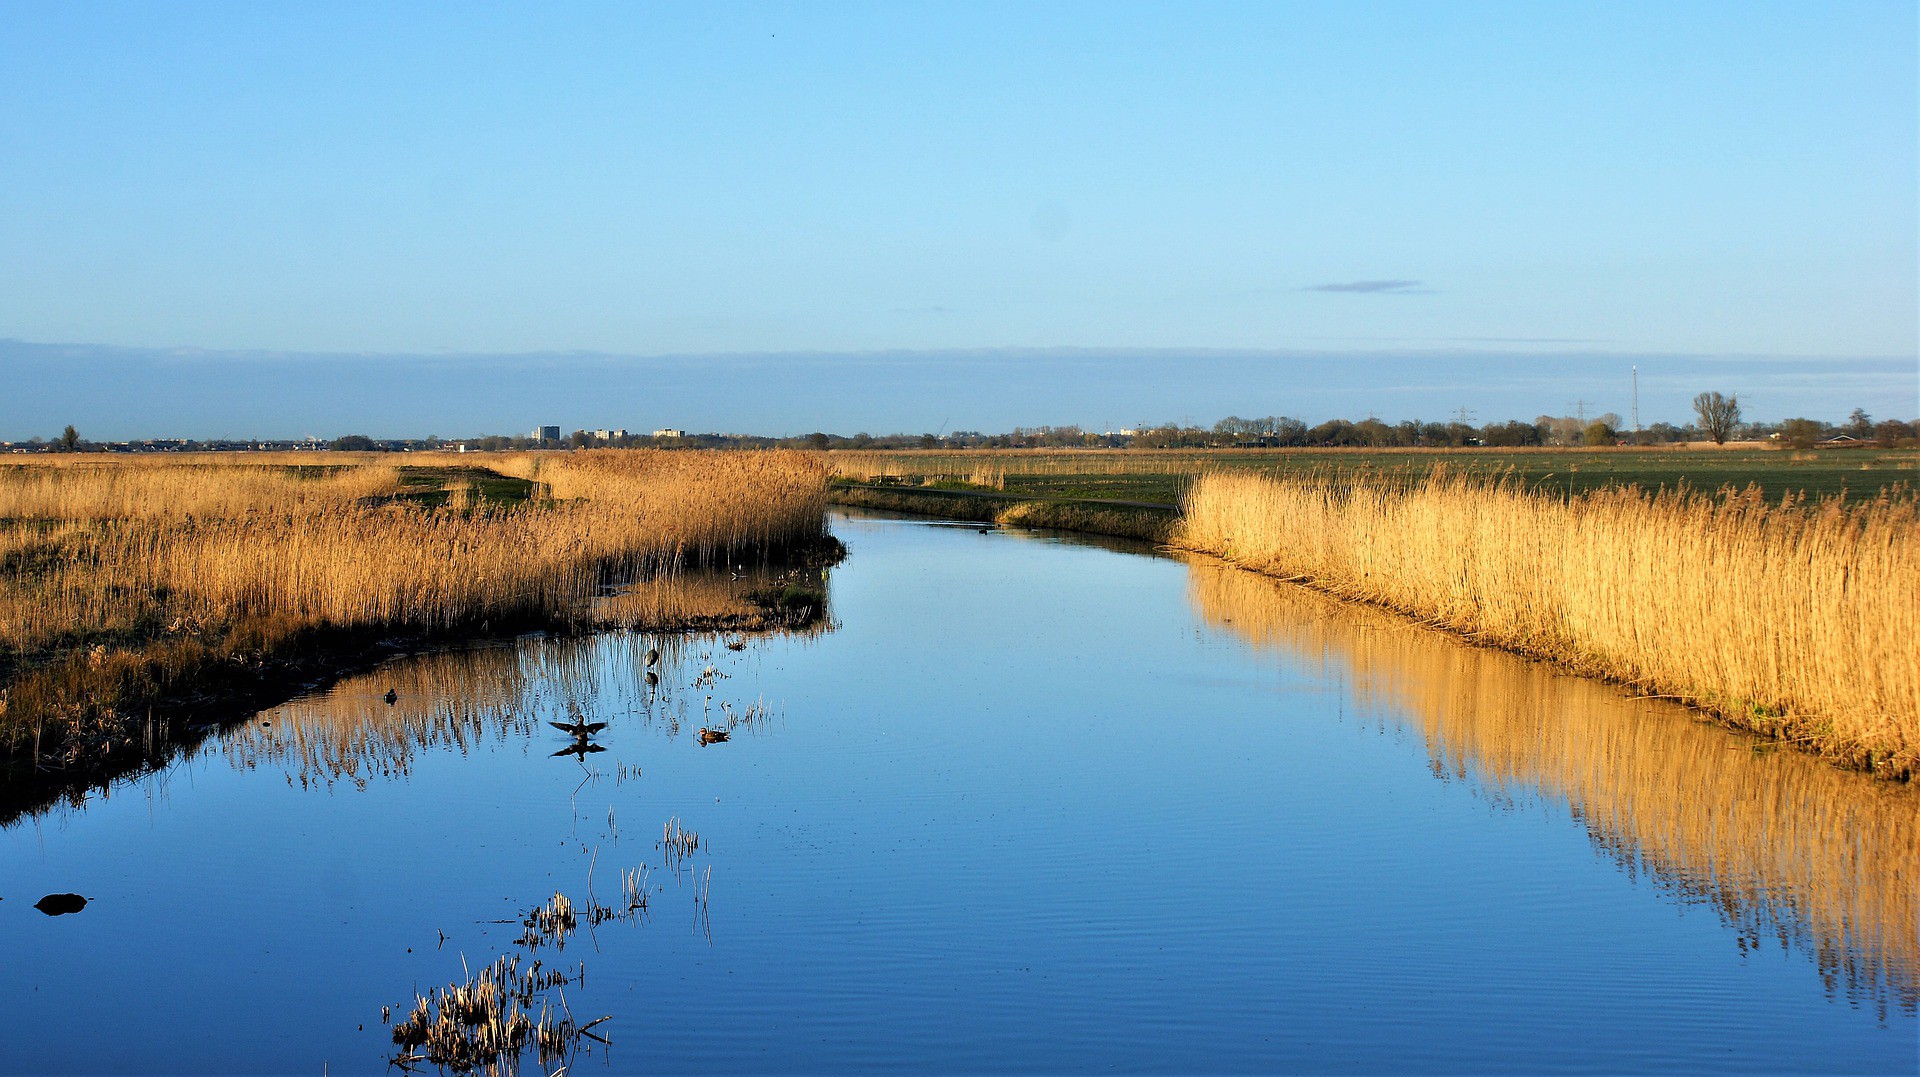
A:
[60,904]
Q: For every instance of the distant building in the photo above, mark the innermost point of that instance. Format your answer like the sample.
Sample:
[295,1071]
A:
[670,432]
[545,433]
[610,435]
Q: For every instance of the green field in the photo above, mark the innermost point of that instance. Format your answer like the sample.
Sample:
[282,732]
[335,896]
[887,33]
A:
[1159,477]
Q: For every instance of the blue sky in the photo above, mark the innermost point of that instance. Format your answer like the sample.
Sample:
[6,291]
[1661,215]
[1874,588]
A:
[1721,183]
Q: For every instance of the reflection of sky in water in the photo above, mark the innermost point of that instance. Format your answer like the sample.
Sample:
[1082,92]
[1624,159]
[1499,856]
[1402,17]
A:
[1031,804]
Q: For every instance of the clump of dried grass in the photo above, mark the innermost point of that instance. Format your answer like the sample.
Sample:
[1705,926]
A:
[550,924]
[485,1020]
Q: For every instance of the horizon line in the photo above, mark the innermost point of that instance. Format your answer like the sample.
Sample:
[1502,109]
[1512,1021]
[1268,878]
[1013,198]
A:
[1451,347]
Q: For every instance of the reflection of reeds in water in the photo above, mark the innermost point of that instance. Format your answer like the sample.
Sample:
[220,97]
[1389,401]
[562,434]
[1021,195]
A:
[1782,845]
[458,699]
[465,698]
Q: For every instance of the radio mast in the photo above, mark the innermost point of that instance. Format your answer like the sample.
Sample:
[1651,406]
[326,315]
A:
[1636,399]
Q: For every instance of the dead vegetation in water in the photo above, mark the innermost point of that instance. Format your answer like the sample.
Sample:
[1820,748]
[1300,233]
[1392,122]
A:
[677,844]
[486,1020]
[550,924]
[635,885]
[702,892]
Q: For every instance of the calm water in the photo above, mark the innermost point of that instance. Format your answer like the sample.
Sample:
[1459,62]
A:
[1030,804]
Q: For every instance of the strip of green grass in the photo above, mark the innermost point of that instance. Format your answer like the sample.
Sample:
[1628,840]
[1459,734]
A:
[1150,523]
[428,485]
[1848,473]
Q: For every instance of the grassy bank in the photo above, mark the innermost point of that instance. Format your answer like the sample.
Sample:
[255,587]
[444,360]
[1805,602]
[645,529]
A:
[129,586]
[1795,619]
[1151,524]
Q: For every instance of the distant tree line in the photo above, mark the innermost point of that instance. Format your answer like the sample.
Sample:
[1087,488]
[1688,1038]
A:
[1279,431]
[1717,418]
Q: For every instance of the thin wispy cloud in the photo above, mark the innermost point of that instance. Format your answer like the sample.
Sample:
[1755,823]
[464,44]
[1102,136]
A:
[1529,340]
[1372,287]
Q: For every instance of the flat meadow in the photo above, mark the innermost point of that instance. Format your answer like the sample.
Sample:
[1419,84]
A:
[1161,475]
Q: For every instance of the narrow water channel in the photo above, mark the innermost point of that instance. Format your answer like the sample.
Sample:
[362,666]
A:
[1026,803]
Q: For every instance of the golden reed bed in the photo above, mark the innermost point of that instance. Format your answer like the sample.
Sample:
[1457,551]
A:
[1800,620]
[121,579]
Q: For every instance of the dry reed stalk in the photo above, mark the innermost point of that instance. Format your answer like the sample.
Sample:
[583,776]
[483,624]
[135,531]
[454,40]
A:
[1798,619]
[677,844]
[550,923]
[190,485]
[988,475]
[635,885]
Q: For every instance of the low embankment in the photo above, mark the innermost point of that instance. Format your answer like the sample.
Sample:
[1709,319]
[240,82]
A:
[1799,620]
[1151,523]
[134,585]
